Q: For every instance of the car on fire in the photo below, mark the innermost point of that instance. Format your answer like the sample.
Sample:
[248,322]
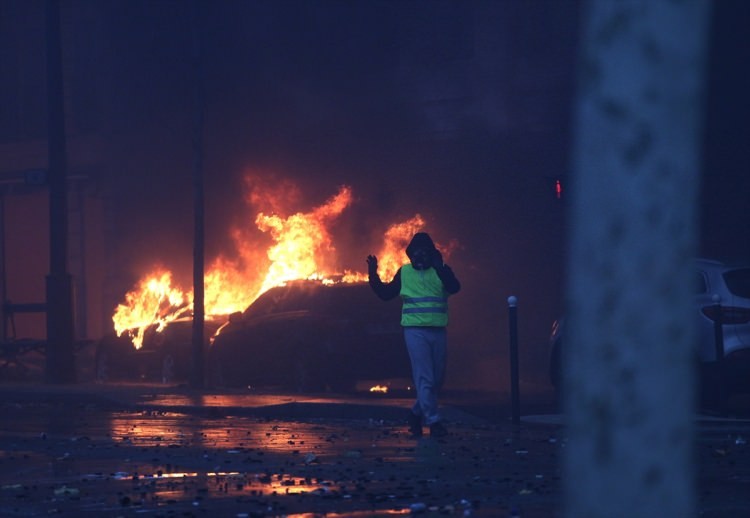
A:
[166,355]
[309,335]
[721,296]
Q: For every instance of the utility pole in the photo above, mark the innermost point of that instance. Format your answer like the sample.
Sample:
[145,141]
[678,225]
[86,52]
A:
[197,372]
[628,379]
[60,366]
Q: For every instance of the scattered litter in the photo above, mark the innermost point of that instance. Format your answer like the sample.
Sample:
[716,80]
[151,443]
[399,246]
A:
[310,458]
[92,476]
[323,491]
[66,491]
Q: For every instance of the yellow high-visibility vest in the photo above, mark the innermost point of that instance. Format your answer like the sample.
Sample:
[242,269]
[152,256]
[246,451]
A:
[425,301]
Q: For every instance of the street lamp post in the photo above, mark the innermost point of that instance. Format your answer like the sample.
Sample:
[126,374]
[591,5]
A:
[60,366]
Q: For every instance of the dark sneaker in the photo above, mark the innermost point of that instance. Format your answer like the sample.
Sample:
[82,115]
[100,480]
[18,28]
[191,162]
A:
[415,425]
[438,430]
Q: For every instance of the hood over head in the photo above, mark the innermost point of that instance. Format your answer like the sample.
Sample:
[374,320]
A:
[420,240]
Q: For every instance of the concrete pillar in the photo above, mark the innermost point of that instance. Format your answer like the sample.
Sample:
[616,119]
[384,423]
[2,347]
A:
[628,381]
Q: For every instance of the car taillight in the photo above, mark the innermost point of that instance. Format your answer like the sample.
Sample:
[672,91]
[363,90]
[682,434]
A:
[728,314]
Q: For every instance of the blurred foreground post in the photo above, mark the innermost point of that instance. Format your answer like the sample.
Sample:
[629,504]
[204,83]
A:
[628,379]
[514,388]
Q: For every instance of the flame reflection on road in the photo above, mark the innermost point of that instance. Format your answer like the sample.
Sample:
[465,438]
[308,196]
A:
[231,483]
[291,456]
[248,438]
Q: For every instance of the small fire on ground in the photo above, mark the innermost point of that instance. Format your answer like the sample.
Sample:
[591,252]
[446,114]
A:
[300,247]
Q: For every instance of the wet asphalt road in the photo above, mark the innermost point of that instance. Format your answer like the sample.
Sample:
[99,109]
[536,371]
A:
[140,451]
[60,456]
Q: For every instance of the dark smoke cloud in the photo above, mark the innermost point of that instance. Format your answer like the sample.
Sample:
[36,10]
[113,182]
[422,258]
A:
[305,97]
[457,111]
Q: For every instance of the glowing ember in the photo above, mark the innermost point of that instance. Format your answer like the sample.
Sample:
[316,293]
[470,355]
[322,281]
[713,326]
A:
[379,388]
[301,248]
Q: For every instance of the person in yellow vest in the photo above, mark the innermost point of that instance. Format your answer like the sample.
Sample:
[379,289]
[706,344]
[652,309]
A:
[424,286]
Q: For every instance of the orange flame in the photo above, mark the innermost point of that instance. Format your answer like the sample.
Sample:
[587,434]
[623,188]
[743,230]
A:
[302,248]
[393,253]
[155,301]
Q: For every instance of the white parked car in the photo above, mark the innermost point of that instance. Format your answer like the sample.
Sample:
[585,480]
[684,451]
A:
[722,291]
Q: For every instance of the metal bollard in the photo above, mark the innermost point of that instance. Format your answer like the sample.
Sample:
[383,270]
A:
[514,388]
[718,329]
[719,348]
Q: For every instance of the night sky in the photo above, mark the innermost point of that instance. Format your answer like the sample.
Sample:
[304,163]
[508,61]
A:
[459,111]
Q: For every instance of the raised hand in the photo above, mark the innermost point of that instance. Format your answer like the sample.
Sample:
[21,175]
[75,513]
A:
[372,265]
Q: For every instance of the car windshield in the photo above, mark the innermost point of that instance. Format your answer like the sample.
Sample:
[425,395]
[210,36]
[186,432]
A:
[293,297]
[350,297]
[738,282]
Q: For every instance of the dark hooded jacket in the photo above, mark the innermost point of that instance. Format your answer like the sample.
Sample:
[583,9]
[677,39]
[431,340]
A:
[420,240]
[388,291]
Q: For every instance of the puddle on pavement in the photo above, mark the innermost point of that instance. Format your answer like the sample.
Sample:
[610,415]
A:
[220,400]
[234,482]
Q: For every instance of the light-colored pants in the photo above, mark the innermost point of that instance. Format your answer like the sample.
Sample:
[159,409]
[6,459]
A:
[427,348]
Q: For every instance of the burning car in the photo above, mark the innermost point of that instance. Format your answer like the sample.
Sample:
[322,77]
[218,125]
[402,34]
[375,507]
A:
[311,335]
[306,322]
[164,355]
